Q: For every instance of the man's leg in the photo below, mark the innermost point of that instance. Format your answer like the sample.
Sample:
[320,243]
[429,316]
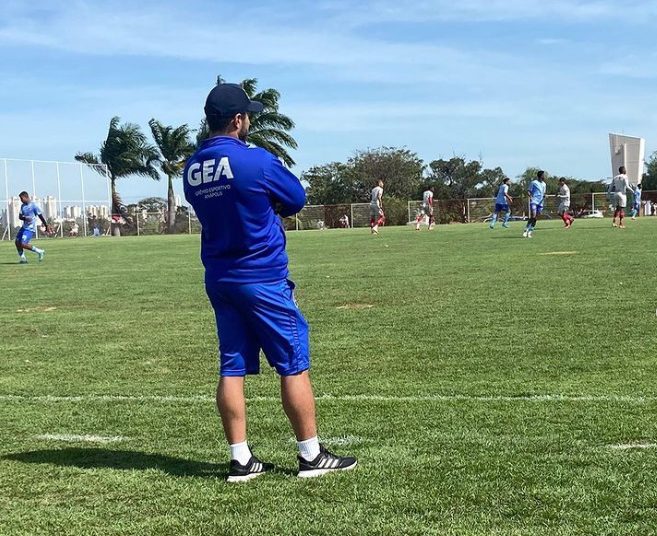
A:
[283,333]
[507,217]
[19,248]
[299,404]
[239,356]
[231,404]
[621,216]
[493,220]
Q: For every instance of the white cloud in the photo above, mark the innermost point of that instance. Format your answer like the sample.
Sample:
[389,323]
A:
[493,10]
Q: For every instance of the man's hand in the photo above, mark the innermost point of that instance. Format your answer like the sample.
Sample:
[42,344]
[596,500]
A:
[21,217]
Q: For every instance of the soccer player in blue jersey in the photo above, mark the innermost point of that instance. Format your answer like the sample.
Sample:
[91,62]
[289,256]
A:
[636,206]
[536,199]
[28,214]
[502,204]
[238,193]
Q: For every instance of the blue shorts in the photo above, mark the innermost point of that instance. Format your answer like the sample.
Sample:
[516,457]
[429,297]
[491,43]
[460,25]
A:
[24,236]
[536,208]
[256,316]
[502,207]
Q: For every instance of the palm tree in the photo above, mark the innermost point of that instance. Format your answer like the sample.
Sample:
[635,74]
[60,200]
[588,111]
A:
[269,128]
[125,152]
[174,146]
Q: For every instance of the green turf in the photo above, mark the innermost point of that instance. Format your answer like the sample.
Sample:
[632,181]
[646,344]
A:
[484,318]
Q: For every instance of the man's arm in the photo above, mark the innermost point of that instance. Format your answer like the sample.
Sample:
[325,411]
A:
[38,213]
[286,192]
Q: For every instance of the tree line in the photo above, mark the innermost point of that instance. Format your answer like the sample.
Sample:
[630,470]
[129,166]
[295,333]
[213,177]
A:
[127,151]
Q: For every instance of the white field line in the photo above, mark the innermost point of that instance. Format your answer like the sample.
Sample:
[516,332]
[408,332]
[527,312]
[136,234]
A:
[73,438]
[633,446]
[201,399]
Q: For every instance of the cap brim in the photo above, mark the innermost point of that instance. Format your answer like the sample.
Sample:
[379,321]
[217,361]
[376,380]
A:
[255,107]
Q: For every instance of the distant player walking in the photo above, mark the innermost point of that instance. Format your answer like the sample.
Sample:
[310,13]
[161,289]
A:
[564,203]
[28,214]
[427,209]
[636,205]
[620,185]
[502,204]
[377,216]
[536,199]
[238,193]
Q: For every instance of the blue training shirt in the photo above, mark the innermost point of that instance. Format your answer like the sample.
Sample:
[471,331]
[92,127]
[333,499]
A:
[637,197]
[537,192]
[501,195]
[31,212]
[237,193]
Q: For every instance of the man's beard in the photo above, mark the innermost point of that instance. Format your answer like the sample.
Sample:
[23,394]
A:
[243,134]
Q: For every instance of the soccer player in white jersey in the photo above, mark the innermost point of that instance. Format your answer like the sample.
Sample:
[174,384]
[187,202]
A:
[427,209]
[377,216]
[619,186]
[502,204]
[564,203]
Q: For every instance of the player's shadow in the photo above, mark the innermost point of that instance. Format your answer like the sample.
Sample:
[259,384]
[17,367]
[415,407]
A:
[98,458]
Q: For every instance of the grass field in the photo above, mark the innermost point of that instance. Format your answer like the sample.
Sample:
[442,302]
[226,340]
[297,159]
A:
[488,384]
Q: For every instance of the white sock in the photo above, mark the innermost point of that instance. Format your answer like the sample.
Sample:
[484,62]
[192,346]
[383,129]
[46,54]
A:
[240,452]
[37,250]
[309,449]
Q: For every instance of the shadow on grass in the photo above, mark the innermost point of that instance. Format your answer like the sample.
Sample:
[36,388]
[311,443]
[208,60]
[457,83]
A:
[98,458]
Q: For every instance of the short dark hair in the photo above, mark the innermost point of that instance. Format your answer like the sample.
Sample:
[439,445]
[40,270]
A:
[562,179]
[218,123]
[540,174]
[622,169]
[23,194]
[506,179]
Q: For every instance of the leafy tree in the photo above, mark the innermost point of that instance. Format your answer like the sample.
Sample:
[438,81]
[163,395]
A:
[174,146]
[649,181]
[125,152]
[329,184]
[152,204]
[457,180]
[400,169]
[270,129]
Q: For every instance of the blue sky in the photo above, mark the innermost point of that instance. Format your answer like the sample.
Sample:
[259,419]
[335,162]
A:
[518,82]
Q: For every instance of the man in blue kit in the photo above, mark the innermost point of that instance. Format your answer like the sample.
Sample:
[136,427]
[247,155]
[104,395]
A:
[536,199]
[238,193]
[28,214]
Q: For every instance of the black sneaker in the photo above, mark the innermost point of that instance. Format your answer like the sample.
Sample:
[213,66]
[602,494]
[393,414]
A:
[253,469]
[325,462]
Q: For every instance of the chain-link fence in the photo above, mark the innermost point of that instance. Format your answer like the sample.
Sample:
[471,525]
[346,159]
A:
[76,201]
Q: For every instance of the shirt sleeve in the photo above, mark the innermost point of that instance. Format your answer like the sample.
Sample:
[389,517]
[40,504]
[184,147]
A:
[37,210]
[285,189]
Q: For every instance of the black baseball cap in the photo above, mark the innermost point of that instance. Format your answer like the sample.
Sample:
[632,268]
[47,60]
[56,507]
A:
[228,100]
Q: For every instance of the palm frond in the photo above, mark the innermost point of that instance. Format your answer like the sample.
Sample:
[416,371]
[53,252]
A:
[274,148]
